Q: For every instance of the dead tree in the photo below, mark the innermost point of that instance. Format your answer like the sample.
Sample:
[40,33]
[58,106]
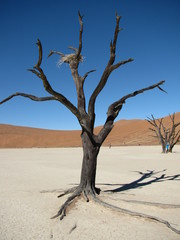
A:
[91,142]
[169,134]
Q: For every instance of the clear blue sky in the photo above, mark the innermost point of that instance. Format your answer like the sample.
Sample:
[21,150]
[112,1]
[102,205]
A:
[151,36]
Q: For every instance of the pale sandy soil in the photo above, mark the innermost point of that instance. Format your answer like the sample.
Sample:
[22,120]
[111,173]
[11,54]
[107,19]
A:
[30,180]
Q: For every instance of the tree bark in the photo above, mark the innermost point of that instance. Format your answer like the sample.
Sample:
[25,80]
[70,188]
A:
[163,147]
[89,164]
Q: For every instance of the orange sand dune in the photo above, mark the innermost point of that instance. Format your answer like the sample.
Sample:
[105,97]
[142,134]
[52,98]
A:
[125,132]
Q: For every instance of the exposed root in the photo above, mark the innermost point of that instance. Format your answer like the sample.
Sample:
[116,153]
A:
[77,191]
[85,196]
[155,204]
[70,190]
[62,211]
[136,214]
[97,190]
[92,192]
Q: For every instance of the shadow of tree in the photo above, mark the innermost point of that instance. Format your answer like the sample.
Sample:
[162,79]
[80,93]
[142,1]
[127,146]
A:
[146,178]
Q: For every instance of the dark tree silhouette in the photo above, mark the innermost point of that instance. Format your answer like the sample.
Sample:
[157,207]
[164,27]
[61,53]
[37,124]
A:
[91,143]
[167,134]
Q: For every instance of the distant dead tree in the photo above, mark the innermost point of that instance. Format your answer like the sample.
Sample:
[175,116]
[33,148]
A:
[91,142]
[169,134]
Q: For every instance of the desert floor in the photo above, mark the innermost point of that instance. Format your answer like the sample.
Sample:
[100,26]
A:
[143,179]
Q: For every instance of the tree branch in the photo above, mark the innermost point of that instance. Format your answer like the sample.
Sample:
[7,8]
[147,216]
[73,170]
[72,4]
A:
[174,136]
[115,108]
[79,81]
[108,70]
[177,135]
[113,44]
[73,60]
[154,130]
[117,65]
[40,55]
[80,35]
[172,126]
[56,52]
[85,76]
[151,121]
[39,72]
[74,49]
[32,97]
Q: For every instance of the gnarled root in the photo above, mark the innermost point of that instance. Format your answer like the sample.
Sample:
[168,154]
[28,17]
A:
[71,190]
[90,192]
[62,211]
[77,191]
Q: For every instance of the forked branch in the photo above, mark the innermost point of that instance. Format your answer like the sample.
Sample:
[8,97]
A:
[115,107]
[85,75]
[37,70]
[73,61]
[40,73]
[55,52]
[108,70]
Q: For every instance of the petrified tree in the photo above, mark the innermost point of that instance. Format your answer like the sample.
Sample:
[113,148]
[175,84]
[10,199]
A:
[91,143]
[166,134]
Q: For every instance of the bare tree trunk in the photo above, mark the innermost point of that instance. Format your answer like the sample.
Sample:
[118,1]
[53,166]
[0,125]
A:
[163,147]
[89,164]
[171,147]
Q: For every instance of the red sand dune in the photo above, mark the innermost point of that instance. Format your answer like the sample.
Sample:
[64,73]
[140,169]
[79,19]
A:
[125,132]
